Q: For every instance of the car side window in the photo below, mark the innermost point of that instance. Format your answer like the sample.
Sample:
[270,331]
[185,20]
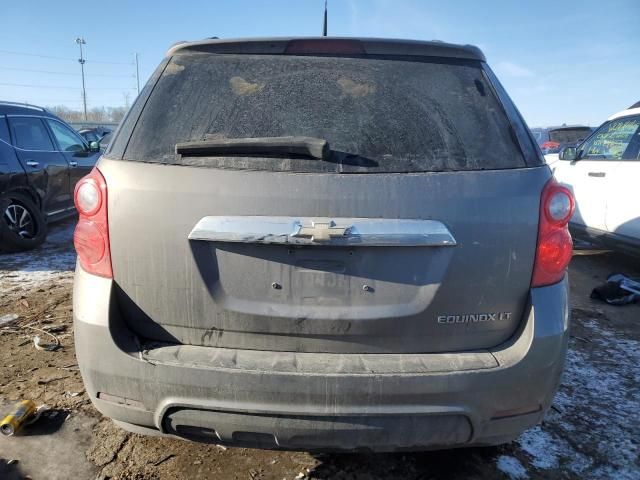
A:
[612,140]
[633,150]
[29,133]
[67,139]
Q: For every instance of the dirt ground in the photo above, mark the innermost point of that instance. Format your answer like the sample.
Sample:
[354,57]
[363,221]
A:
[592,431]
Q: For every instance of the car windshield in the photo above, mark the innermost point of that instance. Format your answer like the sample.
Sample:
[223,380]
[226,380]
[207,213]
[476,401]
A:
[378,115]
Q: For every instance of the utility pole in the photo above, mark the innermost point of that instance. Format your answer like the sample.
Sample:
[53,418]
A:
[80,41]
[137,73]
[324,26]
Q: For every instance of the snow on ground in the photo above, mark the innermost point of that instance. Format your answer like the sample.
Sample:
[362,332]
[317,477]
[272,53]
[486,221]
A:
[511,467]
[55,261]
[595,431]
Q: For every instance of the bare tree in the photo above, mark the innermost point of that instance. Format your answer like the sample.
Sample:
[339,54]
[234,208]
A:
[96,114]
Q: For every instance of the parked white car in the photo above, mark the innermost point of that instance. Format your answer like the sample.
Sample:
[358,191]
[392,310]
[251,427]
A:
[604,174]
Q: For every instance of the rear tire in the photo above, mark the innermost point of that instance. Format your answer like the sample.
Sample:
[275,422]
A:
[22,224]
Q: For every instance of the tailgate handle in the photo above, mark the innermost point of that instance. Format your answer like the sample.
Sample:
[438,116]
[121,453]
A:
[353,232]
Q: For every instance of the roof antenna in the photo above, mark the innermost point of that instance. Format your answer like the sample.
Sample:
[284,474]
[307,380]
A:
[324,26]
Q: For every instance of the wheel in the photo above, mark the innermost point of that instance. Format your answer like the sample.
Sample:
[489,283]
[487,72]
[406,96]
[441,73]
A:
[22,224]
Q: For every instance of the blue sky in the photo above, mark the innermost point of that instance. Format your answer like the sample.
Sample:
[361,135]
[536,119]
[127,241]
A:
[561,61]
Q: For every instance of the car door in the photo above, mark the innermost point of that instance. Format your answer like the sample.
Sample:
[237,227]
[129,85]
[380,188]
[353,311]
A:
[623,203]
[47,169]
[11,172]
[74,148]
[588,176]
[586,179]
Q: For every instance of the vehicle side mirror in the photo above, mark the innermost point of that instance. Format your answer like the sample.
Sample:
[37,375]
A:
[568,153]
[94,147]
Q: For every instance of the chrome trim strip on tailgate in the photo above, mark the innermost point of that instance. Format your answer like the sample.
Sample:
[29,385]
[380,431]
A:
[371,232]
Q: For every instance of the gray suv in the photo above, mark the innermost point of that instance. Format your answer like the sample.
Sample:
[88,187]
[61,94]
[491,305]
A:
[323,244]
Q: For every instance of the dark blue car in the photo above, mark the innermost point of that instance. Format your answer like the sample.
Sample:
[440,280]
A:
[41,159]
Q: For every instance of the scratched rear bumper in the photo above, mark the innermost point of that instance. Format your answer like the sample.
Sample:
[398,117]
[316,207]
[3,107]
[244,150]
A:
[315,401]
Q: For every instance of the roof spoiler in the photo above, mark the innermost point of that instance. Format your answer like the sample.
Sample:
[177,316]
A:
[349,45]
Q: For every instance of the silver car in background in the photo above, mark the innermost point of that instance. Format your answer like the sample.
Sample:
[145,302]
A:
[323,244]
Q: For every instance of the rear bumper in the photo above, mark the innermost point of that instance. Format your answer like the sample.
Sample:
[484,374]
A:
[320,401]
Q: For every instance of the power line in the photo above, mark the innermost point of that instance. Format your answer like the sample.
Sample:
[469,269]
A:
[66,73]
[35,55]
[74,103]
[111,63]
[48,101]
[82,60]
[45,99]
[10,52]
[62,87]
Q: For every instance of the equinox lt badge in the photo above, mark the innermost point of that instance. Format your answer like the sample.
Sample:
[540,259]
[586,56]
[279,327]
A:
[474,317]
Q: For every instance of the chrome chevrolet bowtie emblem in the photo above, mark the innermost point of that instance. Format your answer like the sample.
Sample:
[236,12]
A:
[320,231]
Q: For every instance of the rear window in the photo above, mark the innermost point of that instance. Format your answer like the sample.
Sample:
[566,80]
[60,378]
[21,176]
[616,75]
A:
[378,115]
[569,135]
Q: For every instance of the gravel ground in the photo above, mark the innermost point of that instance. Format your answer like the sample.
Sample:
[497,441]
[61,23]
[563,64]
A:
[592,431]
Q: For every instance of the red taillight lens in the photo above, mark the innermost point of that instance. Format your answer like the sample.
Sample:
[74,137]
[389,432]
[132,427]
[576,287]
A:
[91,237]
[555,247]
[326,46]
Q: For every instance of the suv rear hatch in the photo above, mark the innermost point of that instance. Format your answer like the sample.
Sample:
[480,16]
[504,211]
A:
[414,232]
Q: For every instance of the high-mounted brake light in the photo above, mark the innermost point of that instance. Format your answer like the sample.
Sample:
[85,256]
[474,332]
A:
[555,246]
[91,237]
[328,46]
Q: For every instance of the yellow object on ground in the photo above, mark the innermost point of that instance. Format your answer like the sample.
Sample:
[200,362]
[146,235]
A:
[17,418]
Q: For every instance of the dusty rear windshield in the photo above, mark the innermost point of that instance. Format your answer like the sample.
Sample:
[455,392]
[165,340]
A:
[378,114]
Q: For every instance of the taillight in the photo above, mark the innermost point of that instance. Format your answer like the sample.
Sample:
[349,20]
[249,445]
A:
[91,237]
[555,247]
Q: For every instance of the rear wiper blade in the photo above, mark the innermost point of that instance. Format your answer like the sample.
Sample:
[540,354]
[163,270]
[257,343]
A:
[300,146]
